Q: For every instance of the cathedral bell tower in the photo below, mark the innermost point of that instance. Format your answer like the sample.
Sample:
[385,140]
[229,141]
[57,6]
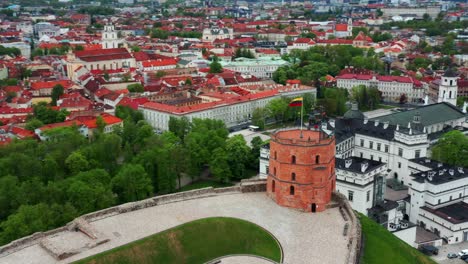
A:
[448,88]
[110,39]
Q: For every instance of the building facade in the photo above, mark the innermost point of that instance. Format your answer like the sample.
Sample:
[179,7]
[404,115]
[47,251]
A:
[302,169]
[362,181]
[439,196]
[392,87]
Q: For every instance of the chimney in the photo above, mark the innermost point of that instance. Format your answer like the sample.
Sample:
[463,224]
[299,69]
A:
[409,124]
[460,170]
[397,127]
[364,166]
[348,163]
[430,175]
[366,120]
[332,123]
[376,122]
[427,160]
[439,165]
[451,172]
[385,125]
[441,172]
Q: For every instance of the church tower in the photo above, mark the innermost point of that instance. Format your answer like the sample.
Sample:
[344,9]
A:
[350,27]
[448,88]
[110,39]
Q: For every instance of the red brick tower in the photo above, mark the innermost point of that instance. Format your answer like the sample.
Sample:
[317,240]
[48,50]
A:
[302,170]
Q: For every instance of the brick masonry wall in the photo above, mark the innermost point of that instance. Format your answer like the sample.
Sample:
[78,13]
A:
[306,166]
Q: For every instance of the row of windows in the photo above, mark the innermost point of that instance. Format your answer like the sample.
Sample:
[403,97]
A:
[293,158]
[379,145]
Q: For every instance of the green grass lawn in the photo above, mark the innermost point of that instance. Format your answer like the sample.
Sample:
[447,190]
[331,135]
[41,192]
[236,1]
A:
[195,242]
[203,184]
[382,247]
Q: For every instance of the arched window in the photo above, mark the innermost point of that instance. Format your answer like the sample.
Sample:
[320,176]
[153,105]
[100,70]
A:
[293,159]
[291,190]
[273,186]
[317,159]
[293,176]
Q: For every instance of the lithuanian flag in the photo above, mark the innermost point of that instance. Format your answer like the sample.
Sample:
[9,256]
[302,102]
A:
[296,102]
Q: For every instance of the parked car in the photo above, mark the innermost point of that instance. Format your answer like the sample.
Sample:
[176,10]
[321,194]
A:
[452,255]
[429,250]
[464,257]
[463,252]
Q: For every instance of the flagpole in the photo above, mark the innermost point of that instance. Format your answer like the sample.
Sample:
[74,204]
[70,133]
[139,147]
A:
[302,110]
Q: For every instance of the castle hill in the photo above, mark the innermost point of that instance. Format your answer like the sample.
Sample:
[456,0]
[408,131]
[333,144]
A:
[233,132]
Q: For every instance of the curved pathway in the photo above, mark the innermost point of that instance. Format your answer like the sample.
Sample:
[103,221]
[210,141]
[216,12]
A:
[305,237]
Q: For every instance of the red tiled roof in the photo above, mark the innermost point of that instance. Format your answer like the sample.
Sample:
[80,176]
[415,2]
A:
[341,27]
[204,106]
[50,84]
[103,54]
[107,118]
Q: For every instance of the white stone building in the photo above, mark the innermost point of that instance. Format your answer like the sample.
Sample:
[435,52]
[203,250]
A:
[262,67]
[211,34]
[362,181]
[232,111]
[392,87]
[439,196]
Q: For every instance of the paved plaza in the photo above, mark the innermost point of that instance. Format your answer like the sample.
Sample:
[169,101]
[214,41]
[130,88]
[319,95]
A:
[305,237]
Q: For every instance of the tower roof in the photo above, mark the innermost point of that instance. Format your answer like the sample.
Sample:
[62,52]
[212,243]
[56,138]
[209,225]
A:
[354,112]
[450,73]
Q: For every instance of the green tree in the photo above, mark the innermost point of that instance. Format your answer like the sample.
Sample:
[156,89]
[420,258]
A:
[76,162]
[33,123]
[57,91]
[215,66]
[452,149]
[277,109]
[179,126]
[219,166]
[238,154]
[136,88]
[9,192]
[258,117]
[132,183]
[27,220]
[90,190]
[101,124]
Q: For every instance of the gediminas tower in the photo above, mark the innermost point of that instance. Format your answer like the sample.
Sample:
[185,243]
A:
[302,169]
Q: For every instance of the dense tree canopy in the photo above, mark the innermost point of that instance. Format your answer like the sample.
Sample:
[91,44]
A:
[46,184]
[309,65]
[452,148]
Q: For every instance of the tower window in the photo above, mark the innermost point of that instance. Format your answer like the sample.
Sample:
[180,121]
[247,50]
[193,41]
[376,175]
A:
[273,186]
[275,155]
[291,190]
[274,171]
[293,159]
[317,159]
[293,176]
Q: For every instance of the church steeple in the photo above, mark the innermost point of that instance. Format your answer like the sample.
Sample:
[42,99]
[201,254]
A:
[110,39]
[448,88]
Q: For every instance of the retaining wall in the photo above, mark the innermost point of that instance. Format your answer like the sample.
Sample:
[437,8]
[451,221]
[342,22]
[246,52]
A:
[354,233]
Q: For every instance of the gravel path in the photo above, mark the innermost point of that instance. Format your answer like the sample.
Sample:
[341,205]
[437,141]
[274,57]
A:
[305,237]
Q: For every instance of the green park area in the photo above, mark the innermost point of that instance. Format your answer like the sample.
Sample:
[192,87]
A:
[382,247]
[195,242]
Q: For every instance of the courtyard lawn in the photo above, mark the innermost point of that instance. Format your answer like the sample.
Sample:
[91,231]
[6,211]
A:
[195,242]
[382,247]
[203,184]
